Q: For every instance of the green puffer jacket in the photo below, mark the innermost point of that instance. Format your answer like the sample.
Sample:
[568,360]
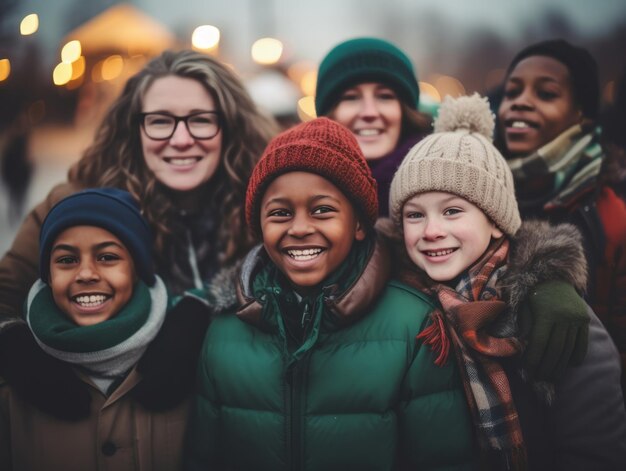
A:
[359,393]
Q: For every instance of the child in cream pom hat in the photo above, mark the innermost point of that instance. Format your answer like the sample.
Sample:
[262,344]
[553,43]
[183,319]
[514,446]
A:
[454,201]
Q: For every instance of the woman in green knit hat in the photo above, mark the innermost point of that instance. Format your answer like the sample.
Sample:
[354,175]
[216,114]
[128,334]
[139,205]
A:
[369,86]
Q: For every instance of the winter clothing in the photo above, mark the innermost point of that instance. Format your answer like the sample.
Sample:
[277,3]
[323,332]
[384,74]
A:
[109,208]
[582,67]
[459,158]
[105,351]
[355,391]
[465,310]
[121,429]
[323,147]
[557,435]
[364,60]
[585,426]
[573,160]
[579,198]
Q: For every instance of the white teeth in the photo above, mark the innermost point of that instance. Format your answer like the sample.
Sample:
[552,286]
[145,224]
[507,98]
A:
[181,162]
[519,124]
[91,300]
[439,253]
[306,254]
[368,132]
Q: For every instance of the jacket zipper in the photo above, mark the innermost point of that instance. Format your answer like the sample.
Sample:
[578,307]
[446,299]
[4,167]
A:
[295,380]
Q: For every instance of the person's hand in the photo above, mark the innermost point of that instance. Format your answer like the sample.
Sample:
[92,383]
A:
[168,366]
[47,383]
[554,320]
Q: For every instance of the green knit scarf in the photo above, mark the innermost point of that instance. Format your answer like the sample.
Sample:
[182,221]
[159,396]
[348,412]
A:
[107,350]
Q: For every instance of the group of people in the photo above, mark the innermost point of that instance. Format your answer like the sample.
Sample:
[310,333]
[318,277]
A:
[365,290]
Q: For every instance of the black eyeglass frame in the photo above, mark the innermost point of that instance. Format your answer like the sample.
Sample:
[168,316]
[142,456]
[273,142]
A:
[178,119]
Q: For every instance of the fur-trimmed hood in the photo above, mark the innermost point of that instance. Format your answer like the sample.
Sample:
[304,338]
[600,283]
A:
[543,252]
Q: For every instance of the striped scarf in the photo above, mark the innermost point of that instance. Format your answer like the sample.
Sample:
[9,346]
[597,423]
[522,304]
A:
[574,158]
[465,322]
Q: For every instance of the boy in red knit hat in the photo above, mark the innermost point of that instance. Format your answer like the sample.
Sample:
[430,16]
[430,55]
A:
[318,368]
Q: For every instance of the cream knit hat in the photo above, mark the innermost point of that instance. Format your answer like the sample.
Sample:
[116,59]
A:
[459,158]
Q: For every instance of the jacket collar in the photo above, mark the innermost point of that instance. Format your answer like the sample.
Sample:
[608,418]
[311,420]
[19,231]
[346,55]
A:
[347,307]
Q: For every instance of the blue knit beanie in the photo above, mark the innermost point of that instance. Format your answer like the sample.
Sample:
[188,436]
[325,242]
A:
[108,208]
[364,60]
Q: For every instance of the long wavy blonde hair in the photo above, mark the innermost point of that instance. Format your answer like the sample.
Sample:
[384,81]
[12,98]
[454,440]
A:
[115,158]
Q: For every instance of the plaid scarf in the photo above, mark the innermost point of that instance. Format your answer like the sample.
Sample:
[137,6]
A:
[574,158]
[467,316]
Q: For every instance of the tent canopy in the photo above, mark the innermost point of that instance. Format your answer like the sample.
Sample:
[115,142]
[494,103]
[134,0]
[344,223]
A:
[122,28]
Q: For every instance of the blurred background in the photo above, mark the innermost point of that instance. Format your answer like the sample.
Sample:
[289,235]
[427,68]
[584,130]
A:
[62,62]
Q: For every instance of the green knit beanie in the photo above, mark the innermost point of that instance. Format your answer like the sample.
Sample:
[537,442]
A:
[364,60]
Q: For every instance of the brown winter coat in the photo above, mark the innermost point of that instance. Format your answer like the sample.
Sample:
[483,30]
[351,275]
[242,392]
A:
[119,435]
[19,268]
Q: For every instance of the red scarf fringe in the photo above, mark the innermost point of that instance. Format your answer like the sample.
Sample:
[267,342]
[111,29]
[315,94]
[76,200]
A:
[436,337]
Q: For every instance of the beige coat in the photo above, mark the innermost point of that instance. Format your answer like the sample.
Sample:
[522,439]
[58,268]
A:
[119,435]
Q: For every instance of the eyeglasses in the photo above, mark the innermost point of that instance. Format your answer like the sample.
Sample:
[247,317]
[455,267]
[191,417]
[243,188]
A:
[161,126]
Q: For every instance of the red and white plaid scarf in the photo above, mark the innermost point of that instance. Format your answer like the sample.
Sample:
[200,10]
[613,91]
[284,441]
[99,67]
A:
[463,321]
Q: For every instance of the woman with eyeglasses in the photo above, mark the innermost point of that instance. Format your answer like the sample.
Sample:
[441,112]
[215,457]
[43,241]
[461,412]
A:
[182,139]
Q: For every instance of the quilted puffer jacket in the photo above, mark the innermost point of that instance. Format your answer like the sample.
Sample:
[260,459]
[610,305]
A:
[356,392]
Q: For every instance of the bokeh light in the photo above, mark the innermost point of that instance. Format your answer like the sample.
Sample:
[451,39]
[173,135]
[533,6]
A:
[5,69]
[306,108]
[29,24]
[447,85]
[112,67]
[308,82]
[62,74]
[78,68]
[205,37]
[267,51]
[430,90]
[71,52]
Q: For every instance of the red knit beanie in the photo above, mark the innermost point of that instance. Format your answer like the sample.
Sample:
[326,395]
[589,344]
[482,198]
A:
[319,146]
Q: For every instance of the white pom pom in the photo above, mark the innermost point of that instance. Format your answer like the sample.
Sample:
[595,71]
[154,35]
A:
[471,113]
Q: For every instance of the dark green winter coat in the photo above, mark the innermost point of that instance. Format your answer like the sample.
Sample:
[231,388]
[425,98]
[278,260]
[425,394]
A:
[358,393]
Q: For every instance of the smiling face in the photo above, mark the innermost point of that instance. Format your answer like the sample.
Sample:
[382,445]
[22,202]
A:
[91,274]
[445,234]
[308,227]
[372,112]
[181,162]
[537,106]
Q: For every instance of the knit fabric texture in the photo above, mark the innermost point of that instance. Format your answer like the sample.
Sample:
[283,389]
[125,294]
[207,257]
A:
[582,67]
[323,147]
[364,60]
[107,350]
[459,158]
[108,208]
